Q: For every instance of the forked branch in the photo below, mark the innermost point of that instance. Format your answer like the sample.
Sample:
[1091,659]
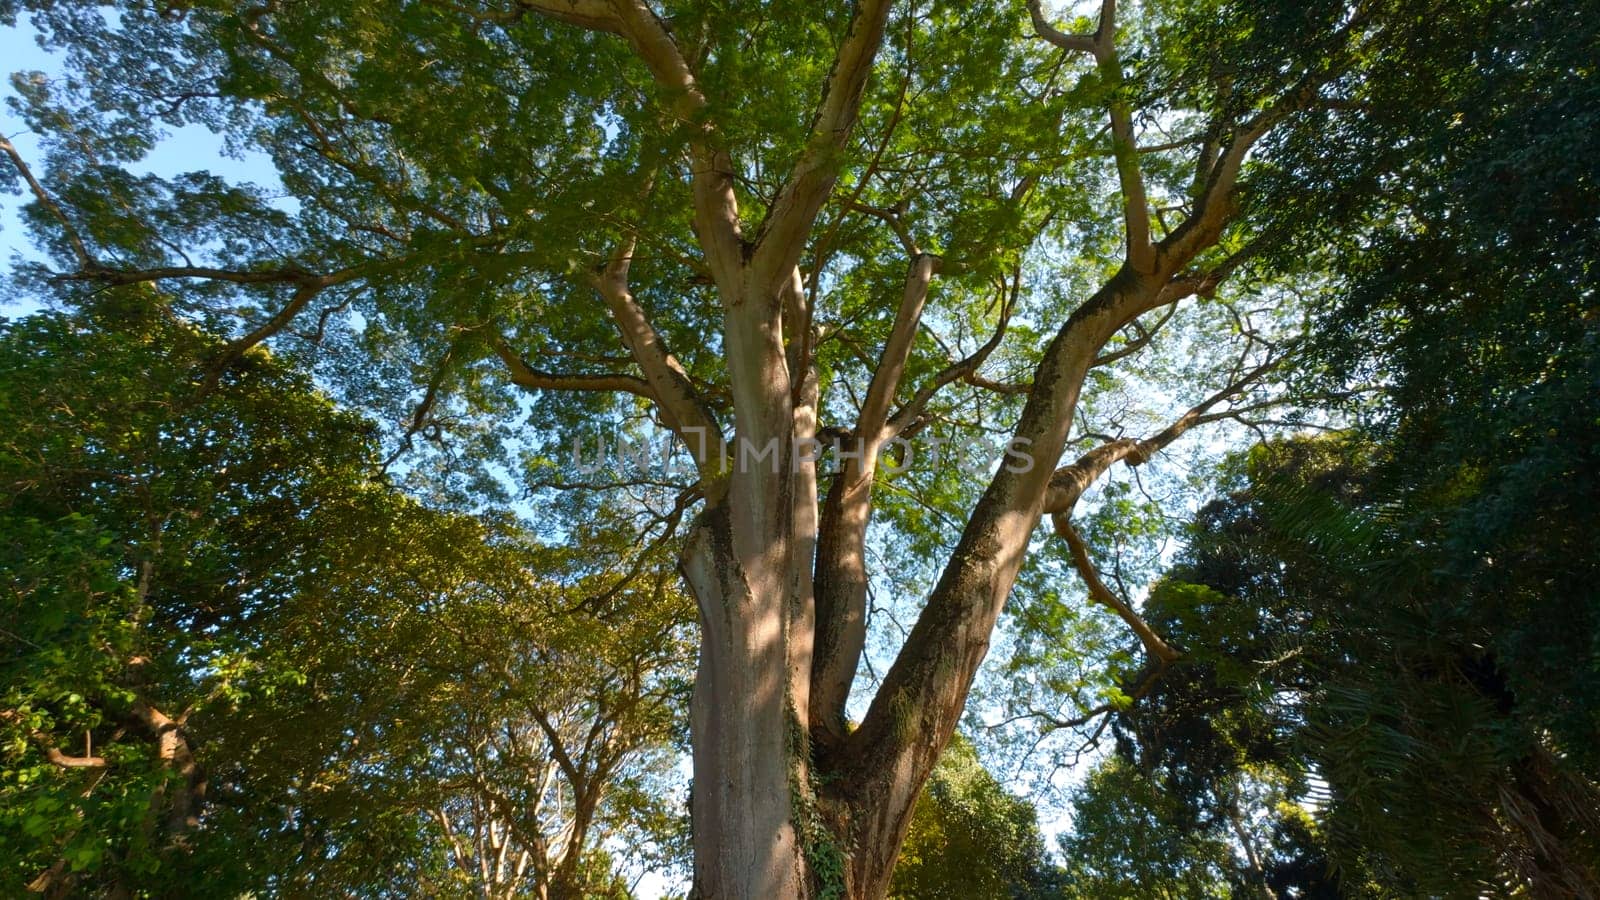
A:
[1124,147]
[965,369]
[781,238]
[1092,44]
[53,753]
[1069,482]
[669,383]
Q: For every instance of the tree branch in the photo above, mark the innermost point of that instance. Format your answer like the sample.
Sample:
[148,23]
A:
[1135,205]
[52,752]
[1073,43]
[1068,483]
[595,15]
[781,238]
[1146,335]
[526,376]
[892,219]
[283,275]
[897,350]
[716,206]
[79,249]
[1124,148]
[669,383]
[964,369]
[1102,594]
[1217,175]
[840,577]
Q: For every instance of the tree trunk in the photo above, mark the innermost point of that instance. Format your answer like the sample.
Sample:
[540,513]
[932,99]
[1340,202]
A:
[746,843]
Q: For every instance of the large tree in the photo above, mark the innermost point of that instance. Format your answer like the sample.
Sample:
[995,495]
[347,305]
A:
[762,225]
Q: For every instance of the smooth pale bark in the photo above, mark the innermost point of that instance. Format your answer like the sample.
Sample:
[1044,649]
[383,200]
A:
[841,564]
[745,840]
[747,563]
[767,799]
[916,709]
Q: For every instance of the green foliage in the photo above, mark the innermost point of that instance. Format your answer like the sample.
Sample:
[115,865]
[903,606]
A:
[971,838]
[230,560]
[1395,712]
[1130,839]
[1400,621]
[137,527]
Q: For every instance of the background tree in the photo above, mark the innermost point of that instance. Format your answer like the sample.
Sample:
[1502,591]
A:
[970,837]
[224,629]
[548,763]
[137,552]
[1130,838]
[1407,613]
[1388,712]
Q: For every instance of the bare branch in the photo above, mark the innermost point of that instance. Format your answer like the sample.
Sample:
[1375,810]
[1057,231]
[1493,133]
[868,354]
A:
[526,376]
[1102,594]
[52,752]
[558,749]
[646,557]
[1145,336]
[1074,43]
[595,15]
[79,249]
[964,369]
[891,364]
[1147,680]
[1199,283]
[1068,483]
[1007,389]
[669,383]
[430,398]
